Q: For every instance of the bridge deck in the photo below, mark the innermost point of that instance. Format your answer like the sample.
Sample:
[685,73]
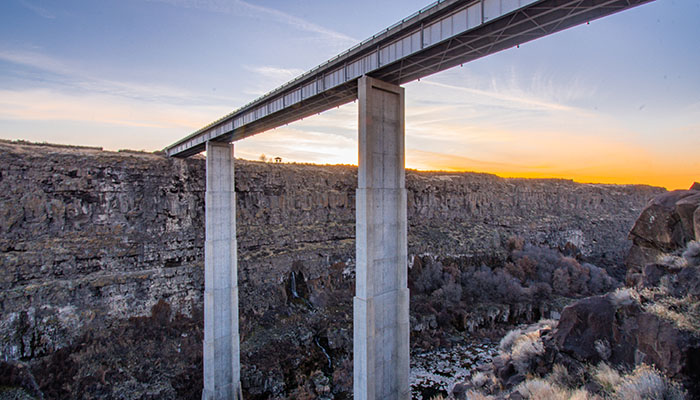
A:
[445,34]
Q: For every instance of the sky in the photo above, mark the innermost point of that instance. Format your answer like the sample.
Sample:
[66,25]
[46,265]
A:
[613,101]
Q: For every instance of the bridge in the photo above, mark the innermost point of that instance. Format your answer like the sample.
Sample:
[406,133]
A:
[440,36]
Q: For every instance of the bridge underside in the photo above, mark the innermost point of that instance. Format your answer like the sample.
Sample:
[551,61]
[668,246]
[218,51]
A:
[539,19]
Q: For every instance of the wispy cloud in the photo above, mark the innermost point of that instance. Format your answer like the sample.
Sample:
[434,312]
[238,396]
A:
[72,77]
[67,95]
[276,73]
[40,11]
[297,22]
[239,7]
[520,101]
[49,105]
[270,77]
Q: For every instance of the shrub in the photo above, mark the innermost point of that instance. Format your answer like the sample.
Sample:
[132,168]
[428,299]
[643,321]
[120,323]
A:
[525,350]
[539,389]
[599,280]
[430,277]
[672,261]
[648,383]
[480,379]
[560,376]
[608,378]
[515,243]
[580,394]
[509,340]
[602,347]
[561,281]
[623,297]
[692,253]
[565,275]
[506,344]
[474,395]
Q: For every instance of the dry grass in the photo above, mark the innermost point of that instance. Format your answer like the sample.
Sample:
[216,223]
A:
[580,394]
[602,347]
[540,389]
[474,395]
[684,312]
[646,382]
[560,376]
[607,377]
[480,379]
[671,260]
[624,297]
[527,347]
[509,340]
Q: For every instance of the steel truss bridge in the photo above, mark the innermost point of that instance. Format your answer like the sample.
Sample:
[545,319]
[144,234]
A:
[440,36]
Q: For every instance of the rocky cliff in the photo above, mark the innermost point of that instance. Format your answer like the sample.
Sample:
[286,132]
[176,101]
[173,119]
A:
[91,237]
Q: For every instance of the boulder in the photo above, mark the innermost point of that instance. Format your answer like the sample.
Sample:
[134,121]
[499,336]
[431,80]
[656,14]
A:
[659,224]
[459,391]
[582,324]
[659,342]
[637,258]
[685,208]
[695,186]
[668,222]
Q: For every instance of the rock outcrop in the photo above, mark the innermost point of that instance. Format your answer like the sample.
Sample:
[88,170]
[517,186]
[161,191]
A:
[666,224]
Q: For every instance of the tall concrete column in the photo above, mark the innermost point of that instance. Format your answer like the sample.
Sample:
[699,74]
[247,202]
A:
[221,340]
[380,321]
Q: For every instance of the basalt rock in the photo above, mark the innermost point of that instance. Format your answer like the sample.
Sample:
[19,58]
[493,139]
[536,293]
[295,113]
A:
[667,224]
[660,225]
[87,234]
[585,322]
[619,331]
[90,238]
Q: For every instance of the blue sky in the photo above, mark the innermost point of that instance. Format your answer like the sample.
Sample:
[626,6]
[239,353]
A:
[614,101]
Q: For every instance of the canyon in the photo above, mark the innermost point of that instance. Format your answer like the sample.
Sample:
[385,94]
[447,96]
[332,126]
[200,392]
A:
[94,243]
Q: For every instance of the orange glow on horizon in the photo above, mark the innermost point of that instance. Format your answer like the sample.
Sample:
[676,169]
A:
[666,177]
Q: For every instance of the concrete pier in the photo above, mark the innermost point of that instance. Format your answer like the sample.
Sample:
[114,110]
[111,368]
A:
[380,321]
[221,340]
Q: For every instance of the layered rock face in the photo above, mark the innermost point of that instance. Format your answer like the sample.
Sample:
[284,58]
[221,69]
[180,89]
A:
[88,236]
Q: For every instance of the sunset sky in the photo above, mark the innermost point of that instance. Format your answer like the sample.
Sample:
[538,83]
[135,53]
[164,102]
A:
[615,101]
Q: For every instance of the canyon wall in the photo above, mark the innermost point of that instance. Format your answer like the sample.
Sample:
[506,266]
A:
[89,236]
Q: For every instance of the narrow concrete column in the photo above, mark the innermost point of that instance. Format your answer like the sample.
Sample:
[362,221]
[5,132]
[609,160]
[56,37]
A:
[380,321]
[221,340]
